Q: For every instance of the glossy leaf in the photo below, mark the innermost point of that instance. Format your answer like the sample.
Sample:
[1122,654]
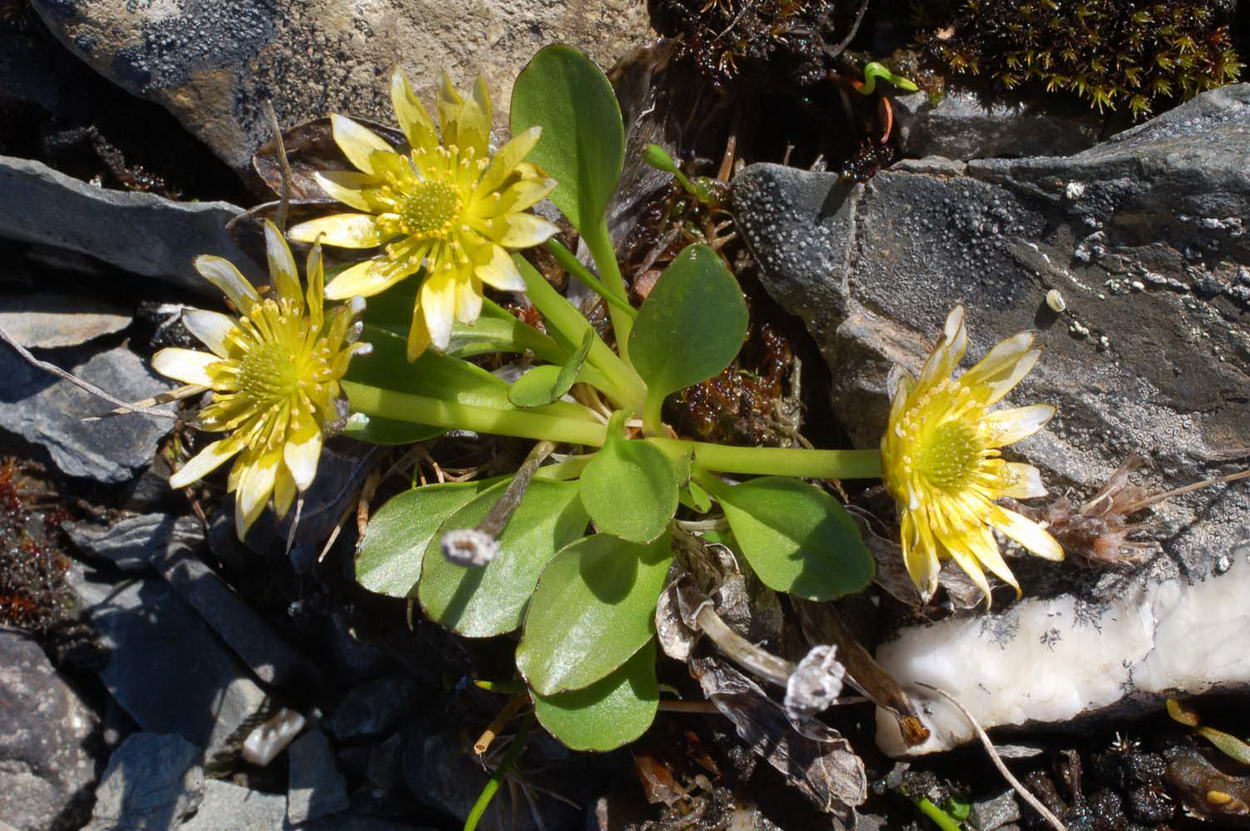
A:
[498,331]
[691,325]
[629,487]
[609,713]
[398,533]
[548,383]
[583,139]
[796,537]
[490,600]
[594,608]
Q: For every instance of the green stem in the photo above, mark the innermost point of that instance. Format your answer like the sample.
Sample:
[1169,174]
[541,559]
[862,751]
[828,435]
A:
[652,423]
[574,266]
[599,241]
[940,818]
[778,461]
[496,779]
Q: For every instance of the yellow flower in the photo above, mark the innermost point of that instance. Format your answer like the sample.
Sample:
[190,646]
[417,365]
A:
[450,205]
[275,371]
[941,460]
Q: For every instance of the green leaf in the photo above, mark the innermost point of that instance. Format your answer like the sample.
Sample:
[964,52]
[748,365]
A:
[490,600]
[547,383]
[629,487]
[796,537]
[609,713]
[583,138]
[398,533]
[387,431]
[691,325]
[594,608]
[495,331]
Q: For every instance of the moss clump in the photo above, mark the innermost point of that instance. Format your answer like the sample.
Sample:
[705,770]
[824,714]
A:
[34,595]
[1109,52]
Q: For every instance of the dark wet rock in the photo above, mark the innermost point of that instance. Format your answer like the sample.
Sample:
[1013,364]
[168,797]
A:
[237,808]
[48,411]
[358,822]
[372,708]
[1144,237]
[46,767]
[152,782]
[166,667]
[214,64]
[50,321]
[992,814]
[961,125]
[316,787]
[131,543]
[141,233]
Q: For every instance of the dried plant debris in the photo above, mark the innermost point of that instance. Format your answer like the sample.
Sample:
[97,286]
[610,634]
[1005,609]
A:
[34,596]
[1112,53]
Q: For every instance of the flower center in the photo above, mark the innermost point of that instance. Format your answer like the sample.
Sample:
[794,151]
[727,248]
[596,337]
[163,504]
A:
[950,454]
[429,209]
[269,373]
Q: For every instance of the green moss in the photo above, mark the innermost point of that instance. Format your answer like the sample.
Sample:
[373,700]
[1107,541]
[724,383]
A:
[1111,53]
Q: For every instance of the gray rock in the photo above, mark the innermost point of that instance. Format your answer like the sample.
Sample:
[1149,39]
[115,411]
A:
[151,783]
[214,64]
[992,814]
[49,321]
[373,707]
[132,542]
[46,769]
[48,411]
[316,788]
[167,669]
[962,126]
[236,808]
[138,232]
[358,822]
[1143,235]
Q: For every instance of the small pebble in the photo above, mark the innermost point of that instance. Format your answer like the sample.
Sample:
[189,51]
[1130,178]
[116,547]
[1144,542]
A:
[1055,301]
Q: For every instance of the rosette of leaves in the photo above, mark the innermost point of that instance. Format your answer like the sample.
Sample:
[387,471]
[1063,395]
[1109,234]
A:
[589,548]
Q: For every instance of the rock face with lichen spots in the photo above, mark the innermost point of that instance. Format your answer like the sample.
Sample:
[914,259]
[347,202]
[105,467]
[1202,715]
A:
[1145,237]
[213,63]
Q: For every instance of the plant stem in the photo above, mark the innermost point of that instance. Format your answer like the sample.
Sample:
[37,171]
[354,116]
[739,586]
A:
[574,266]
[496,779]
[940,818]
[599,241]
[781,461]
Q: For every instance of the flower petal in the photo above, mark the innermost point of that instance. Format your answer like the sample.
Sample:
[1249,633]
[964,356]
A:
[358,142]
[1010,426]
[414,118]
[985,549]
[204,462]
[1021,481]
[282,272]
[283,492]
[315,271]
[500,272]
[185,365]
[1026,532]
[301,453]
[347,186]
[438,303]
[255,486]
[418,334]
[920,552]
[960,551]
[342,230]
[520,230]
[468,300]
[518,196]
[949,351]
[363,280]
[210,328]
[1002,368]
[506,160]
[222,274]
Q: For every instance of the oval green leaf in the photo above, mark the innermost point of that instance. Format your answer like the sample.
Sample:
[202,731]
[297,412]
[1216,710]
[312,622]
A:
[400,531]
[691,325]
[490,600]
[548,383]
[609,713]
[629,488]
[594,608]
[796,537]
[583,139]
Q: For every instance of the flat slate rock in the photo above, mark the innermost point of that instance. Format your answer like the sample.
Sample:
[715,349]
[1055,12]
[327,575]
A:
[316,788]
[48,411]
[227,806]
[51,321]
[141,233]
[131,543]
[46,768]
[152,782]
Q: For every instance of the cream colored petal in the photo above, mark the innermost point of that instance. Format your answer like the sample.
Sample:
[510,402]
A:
[255,487]
[301,455]
[1021,481]
[342,230]
[362,280]
[204,462]
[418,334]
[210,328]
[947,354]
[1010,426]
[920,553]
[506,160]
[1026,532]
[316,273]
[283,492]
[501,272]
[282,273]
[414,118]
[1002,368]
[347,186]
[963,556]
[517,196]
[438,304]
[468,300]
[475,119]
[222,274]
[185,365]
[520,230]
[985,548]
[357,142]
